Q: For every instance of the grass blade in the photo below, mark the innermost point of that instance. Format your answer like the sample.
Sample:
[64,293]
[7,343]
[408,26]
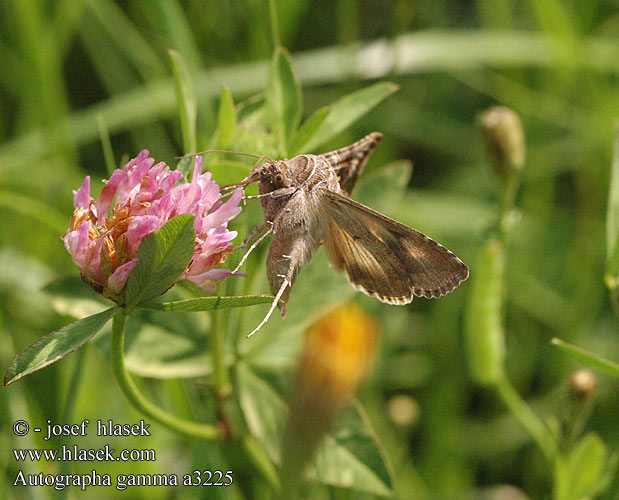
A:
[186,102]
[106,145]
[591,360]
[226,118]
[612,225]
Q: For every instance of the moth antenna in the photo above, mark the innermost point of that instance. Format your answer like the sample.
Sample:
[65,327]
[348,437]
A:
[280,292]
[227,152]
[242,183]
[252,248]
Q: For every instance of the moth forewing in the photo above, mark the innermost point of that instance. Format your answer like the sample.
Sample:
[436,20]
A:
[384,258]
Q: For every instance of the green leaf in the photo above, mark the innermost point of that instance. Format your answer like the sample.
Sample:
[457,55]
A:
[56,345]
[167,345]
[349,456]
[591,360]
[228,171]
[483,326]
[186,102]
[308,129]
[346,111]
[209,303]
[612,224]
[283,96]
[578,474]
[162,256]
[226,118]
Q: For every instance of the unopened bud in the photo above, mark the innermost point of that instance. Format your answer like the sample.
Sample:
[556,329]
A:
[583,385]
[403,410]
[504,139]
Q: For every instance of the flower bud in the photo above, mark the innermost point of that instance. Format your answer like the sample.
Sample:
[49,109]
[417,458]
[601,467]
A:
[338,351]
[403,410]
[583,385]
[504,139]
[582,388]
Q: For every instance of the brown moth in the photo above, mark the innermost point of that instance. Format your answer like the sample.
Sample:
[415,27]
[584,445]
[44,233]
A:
[306,203]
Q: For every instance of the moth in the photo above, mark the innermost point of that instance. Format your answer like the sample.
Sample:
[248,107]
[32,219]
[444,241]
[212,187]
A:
[306,203]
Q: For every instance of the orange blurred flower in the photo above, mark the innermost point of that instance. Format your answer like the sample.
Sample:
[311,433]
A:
[338,352]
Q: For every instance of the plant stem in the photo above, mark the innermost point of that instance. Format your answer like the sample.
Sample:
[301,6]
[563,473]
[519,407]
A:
[532,424]
[76,378]
[519,408]
[257,456]
[273,23]
[508,201]
[67,413]
[137,399]
[220,373]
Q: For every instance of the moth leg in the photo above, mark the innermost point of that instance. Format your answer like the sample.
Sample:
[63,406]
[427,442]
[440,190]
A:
[254,245]
[258,229]
[280,292]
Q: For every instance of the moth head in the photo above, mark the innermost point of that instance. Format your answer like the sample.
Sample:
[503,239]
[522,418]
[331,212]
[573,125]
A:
[273,176]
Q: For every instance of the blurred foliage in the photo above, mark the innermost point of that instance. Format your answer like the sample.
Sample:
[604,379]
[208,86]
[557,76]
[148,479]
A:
[73,69]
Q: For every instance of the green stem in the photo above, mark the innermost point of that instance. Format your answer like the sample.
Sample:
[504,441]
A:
[137,399]
[523,413]
[76,378]
[274,23]
[614,299]
[257,456]
[220,373]
[67,413]
[508,201]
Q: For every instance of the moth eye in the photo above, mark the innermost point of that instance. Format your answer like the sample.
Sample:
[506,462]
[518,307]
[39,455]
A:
[279,178]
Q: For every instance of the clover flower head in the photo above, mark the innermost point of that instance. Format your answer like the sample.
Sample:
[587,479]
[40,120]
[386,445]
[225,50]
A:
[105,234]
